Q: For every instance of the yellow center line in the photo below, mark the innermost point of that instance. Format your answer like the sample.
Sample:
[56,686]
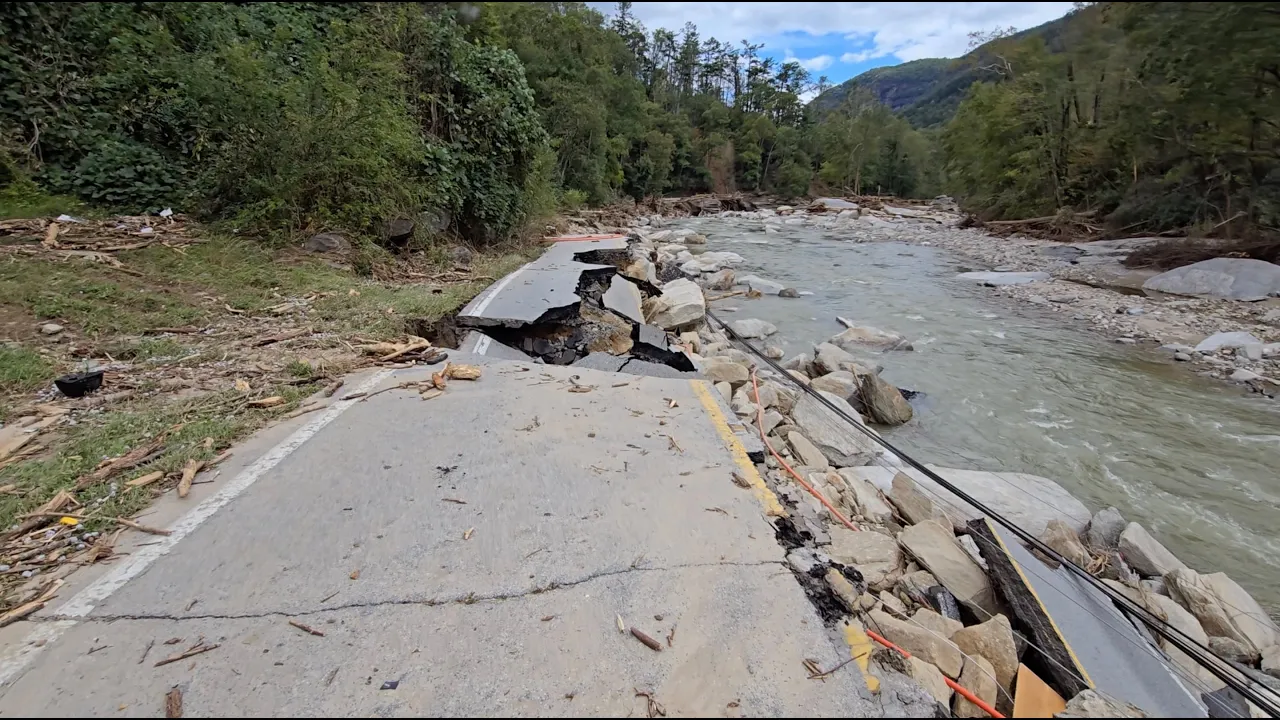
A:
[763,494]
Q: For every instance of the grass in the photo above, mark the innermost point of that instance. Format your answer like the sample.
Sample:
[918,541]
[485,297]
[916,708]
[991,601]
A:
[23,370]
[177,289]
[23,199]
[98,437]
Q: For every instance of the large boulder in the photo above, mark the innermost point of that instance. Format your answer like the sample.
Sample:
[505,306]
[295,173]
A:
[1171,612]
[327,242]
[768,287]
[680,304]
[915,506]
[753,328]
[1059,536]
[828,358]
[876,555]
[882,401]
[720,370]
[1093,704]
[992,640]
[806,451]
[1226,341]
[1030,501]
[722,280]
[919,642]
[862,337]
[1223,608]
[1228,278]
[843,445]
[931,679]
[865,497]
[979,678]
[1145,554]
[840,382]
[1105,528]
[934,546]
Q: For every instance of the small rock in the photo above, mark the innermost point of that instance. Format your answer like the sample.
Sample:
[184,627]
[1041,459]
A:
[1242,375]
[788,293]
[460,255]
[1145,554]
[773,352]
[726,390]
[1252,351]
[840,382]
[1105,528]
[1063,299]
[1181,357]
[915,506]
[725,370]
[51,328]
[1228,340]
[722,280]
[866,498]
[695,239]
[1093,704]
[930,678]
[916,585]
[1136,311]
[799,362]
[862,337]
[1126,341]
[327,242]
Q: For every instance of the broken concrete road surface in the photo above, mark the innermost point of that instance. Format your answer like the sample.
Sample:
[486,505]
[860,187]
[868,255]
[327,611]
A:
[464,555]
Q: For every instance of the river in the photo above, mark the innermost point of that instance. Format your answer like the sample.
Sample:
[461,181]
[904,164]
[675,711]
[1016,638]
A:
[1014,389]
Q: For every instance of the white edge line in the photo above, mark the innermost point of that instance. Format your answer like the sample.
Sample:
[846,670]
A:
[482,345]
[493,291]
[15,658]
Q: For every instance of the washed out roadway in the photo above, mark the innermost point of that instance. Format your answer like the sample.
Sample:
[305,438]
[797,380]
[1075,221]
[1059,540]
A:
[581,507]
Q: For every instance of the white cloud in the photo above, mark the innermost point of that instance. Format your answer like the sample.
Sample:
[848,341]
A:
[857,57]
[813,64]
[906,30]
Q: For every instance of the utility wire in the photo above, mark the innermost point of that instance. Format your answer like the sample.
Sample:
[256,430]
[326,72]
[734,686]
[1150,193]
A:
[1173,635]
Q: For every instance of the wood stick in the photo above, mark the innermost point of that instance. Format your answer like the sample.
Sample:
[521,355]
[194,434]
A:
[306,628]
[142,528]
[188,475]
[653,644]
[186,654]
[282,337]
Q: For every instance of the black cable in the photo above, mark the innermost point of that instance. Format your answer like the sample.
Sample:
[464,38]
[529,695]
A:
[1173,635]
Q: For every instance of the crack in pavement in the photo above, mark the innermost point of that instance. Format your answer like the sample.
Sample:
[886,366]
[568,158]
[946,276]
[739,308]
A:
[467,599]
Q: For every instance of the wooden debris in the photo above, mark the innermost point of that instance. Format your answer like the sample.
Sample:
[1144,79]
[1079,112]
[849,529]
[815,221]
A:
[355,574]
[50,241]
[581,389]
[332,387]
[146,650]
[438,380]
[653,644]
[28,608]
[462,372]
[142,528]
[197,649]
[267,402]
[128,461]
[188,475]
[653,709]
[306,628]
[144,480]
[173,703]
[739,480]
[467,534]
[302,411]
[454,500]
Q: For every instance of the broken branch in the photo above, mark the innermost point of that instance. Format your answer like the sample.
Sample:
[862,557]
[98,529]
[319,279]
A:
[187,653]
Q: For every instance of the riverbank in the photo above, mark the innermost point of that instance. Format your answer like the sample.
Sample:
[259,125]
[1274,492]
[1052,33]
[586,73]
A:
[859,480]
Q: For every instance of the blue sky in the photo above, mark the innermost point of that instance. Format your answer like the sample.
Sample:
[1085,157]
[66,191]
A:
[842,39]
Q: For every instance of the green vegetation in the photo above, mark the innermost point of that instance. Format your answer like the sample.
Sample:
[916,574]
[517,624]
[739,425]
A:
[1153,115]
[22,370]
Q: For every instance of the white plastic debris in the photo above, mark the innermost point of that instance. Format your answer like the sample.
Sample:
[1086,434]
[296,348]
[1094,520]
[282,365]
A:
[166,212]
[146,231]
[68,218]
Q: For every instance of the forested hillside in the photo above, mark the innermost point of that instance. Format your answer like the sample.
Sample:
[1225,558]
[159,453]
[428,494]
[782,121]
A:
[291,118]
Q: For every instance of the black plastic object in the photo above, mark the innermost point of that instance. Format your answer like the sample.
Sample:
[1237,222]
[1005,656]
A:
[79,384]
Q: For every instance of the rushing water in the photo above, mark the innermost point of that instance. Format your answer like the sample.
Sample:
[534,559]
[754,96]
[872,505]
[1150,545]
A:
[1015,389]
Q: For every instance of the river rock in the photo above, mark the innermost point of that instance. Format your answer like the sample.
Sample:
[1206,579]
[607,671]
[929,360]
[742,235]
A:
[788,293]
[771,420]
[992,640]
[865,497]
[1059,536]
[326,242]
[1233,650]
[840,382]
[1105,528]
[755,282]
[51,328]
[931,679]
[806,451]
[1271,661]
[882,401]
[753,328]
[1226,340]
[843,445]
[874,554]
[724,370]
[1223,608]
[916,585]
[915,506]
[940,624]
[863,337]
[722,280]
[658,237]
[919,642]
[1145,554]
[726,390]
[934,546]
[1174,614]
[1228,278]
[828,358]
[799,363]
[681,303]
[1004,278]
[979,678]
[1093,704]
[786,396]
[773,352]
[694,238]
[640,269]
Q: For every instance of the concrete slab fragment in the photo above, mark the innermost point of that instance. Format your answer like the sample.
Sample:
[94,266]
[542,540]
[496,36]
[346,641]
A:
[480,344]
[623,297]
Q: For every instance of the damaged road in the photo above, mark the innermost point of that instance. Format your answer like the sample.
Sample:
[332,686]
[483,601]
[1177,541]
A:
[582,303]
[469,554]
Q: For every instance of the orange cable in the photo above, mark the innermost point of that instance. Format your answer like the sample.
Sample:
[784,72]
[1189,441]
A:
[794,474]
[964,692]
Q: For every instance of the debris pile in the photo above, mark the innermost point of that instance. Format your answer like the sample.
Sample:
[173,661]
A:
[70,238]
